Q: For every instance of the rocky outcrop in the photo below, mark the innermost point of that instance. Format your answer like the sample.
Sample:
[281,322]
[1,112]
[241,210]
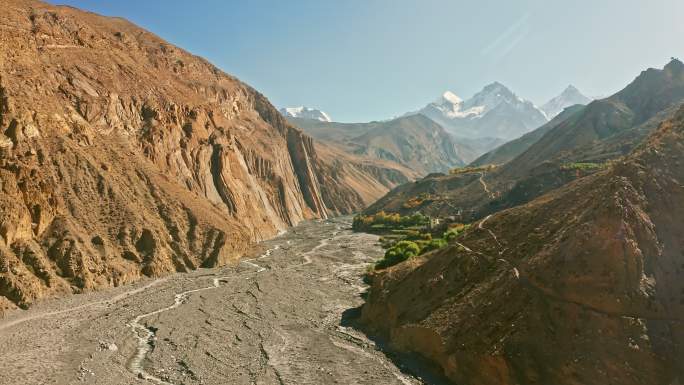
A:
[580,286]
[122,155]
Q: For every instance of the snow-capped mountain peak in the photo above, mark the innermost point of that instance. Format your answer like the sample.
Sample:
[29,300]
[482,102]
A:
[495,111]
[451,98]
[491,96]
[305,113]
[569,97]
[451,105]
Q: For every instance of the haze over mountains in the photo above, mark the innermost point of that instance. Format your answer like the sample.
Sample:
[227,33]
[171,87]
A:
[515,147]
[496,112]
[569,97]
[415,142]
[493,112]
[462,130]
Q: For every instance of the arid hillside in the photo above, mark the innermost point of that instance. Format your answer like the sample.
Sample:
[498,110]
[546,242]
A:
[583,285]
[122,155]
[414,142]
[510,150]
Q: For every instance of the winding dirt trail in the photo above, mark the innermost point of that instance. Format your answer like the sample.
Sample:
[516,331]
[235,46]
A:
[70,310]
[485,187]
[491,233]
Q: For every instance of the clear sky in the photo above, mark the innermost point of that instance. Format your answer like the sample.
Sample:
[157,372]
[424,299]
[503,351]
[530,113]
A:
[362,60]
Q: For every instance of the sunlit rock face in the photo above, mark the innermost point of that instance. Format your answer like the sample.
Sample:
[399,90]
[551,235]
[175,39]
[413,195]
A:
[122,155]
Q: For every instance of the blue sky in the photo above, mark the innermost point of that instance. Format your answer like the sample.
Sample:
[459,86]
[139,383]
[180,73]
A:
[362,60]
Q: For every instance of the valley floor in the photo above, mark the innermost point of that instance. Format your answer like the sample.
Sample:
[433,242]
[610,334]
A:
[274,319]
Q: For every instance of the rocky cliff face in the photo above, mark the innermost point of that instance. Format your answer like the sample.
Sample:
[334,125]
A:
[122,155]
[580,286]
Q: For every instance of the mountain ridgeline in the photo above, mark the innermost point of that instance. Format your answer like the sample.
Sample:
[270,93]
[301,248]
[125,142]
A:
[303,112]
[447,133]
[510,150]
[577,142]
[569,97]
[494,112]
[415,142]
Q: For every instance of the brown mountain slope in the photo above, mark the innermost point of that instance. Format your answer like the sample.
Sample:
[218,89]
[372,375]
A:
[652,92]
[602,131]
[122,155]
[350,182]
[510,150]
[415,142]
[583,285]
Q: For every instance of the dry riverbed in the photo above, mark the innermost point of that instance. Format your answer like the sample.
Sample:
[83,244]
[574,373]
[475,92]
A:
[276,318]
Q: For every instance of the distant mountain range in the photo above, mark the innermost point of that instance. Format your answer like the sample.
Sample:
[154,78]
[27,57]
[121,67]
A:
[496,112]
[305,113]
[579,141]
[509,150]
[452,132]
[493,115]
[415,142]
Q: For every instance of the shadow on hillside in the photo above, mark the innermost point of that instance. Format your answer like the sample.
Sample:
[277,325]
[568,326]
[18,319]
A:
[409,363]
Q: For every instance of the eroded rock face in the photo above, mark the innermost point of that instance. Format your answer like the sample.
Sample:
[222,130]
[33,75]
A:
[583,285]
[122,155]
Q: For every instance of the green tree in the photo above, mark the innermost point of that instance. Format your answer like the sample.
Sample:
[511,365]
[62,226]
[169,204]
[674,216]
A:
[398,253]
[433,245]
